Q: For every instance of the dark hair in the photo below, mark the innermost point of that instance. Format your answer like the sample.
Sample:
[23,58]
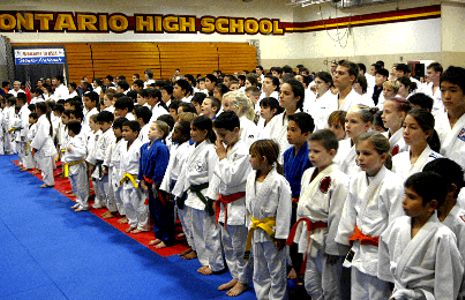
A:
[352,67]
[185,86]
[454,75]
[73,85]
[187,107]
[109,77]
[382,72]
[227,120]
[124,85]
[272,103]
[215,103]
[149,73]
[426,122]
[168,88]
[411,86]
[105,116]
[174,105]
[275,81]
[118,123]
[435,66]
[31,107]
[93,96]
[144,113]
[133,125]
[139,83]
[259,67]
[403,68]
[185,128]
[21,96]
[304,121]
[43,108]
[362,67]
[326,138]
[78,114]
[198,98]
[74,126]
[401,103]
[449,170]
[59,108]
[252,78]
[325,76]
[287,69]
[276,69]
[422,100]
[33,115]
[363,82]
[168,119]
[124,103]
[269,149]
[59,78]
[205,123]
[190,78]
[298,90]
[223,89]
[429,186]
[378,120]
[212,78]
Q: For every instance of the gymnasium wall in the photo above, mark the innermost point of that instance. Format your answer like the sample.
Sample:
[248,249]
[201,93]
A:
[431,38]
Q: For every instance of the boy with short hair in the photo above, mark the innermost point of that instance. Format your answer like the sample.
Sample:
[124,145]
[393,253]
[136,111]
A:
[418,253]
[112,164]
[210,107]
[143,117]
[323,193]
[450,213]
[90,100]
[137,211]
[299,128]
[124,107]
[75,166]
[228,188]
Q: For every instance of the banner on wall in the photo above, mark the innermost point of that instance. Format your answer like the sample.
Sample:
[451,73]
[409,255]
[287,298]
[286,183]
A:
[42,56]
[139,23]
[77,22]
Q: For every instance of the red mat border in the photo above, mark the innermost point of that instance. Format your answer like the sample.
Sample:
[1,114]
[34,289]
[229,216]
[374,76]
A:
[62,185]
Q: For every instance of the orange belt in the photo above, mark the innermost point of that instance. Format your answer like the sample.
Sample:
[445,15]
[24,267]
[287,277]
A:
[311,225]
[295,199]
[225,200]
[364,239]
[159,195]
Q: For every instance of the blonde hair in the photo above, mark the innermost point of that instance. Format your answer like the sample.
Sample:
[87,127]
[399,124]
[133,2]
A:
[242,102]
[187,116]
[163,127]
[380,143]
[394,85]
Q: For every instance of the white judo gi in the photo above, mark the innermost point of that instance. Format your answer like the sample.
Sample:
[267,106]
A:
[396,141]
[230,177]
[402,165]
[346,158]
[427,266]
[452,139]
[74,160]
[322,200]
[46,151]
[137,211]
[321,108]
[371,205]
[269,199]
[113,163]
[206,234]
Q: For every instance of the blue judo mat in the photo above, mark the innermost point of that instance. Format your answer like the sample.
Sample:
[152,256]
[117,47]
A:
[49,252]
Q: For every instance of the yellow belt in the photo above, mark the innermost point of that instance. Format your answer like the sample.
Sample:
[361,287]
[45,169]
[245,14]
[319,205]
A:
[265,224]
[129,177]
[69,164]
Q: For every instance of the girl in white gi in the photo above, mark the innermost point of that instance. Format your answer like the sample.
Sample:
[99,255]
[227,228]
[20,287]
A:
[291,99]
[394,112]
[269,108]
[228,187]
[423,142]
[137,211]
[92,142]
[418,253]
[268,202]
[450,213]
[324,190]
[195,179]
[42,146]
[451,124]
[30,136]
[238,102]
[358,121]
[374,200]
[113,163]
[326,101]
[75,166]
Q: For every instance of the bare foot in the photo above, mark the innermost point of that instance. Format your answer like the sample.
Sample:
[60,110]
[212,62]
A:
[123,220]
[190,255]
[187,251]
[238,289]
[227,285]
[292,274]
[160,245]
[205,270]
[35,172]
[154,242]
[136,231]
[107,215]
[130,228]
[79,209]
